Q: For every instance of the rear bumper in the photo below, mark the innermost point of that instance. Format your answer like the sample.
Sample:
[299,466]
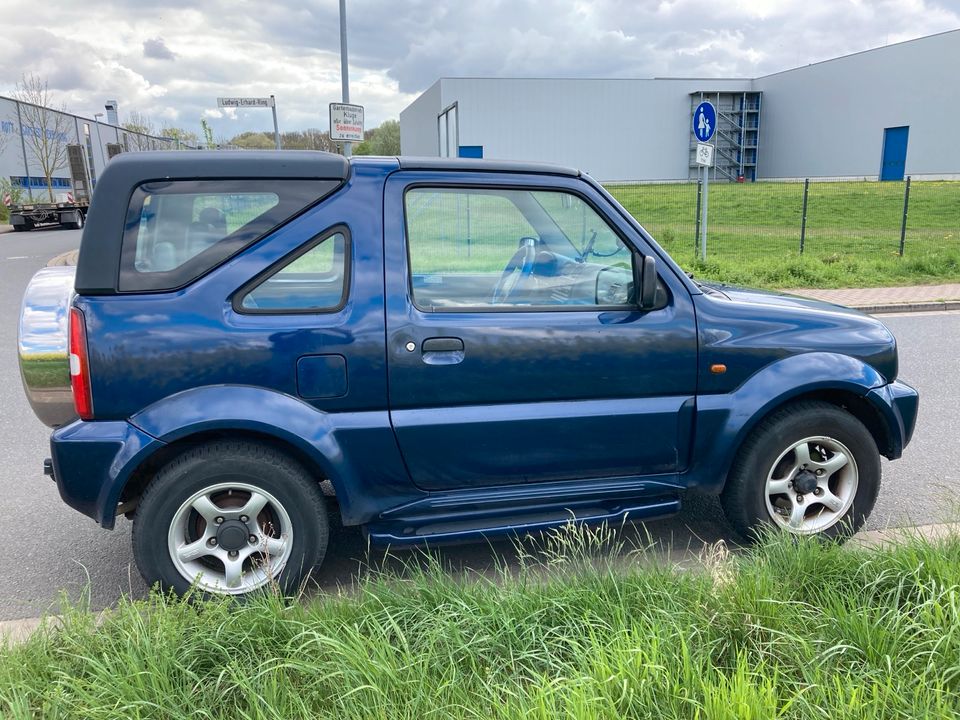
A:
[898,403]
[92,461]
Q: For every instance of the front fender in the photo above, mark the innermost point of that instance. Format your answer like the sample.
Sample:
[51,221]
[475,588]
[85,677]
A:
[356,451]
[723,421]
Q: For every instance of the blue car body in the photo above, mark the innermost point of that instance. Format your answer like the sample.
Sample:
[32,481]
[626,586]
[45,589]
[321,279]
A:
[600,413]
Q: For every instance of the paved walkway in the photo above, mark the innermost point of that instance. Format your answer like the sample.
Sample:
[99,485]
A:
[915,297]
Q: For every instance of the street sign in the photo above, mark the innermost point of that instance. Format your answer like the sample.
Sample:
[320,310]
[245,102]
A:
[704,121]
[346,122]
[241,102]
[704,154]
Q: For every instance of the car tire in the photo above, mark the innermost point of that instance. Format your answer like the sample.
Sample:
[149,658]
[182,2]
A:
[232,517]
[811,468]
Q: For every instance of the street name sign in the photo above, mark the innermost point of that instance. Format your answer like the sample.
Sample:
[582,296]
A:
[244,102]
[346,122]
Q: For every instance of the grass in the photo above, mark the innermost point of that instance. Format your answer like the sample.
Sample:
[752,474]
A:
[790,630]
[852,231]
[46,370]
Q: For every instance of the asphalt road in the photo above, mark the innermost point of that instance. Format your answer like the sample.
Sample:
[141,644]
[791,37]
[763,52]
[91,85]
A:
[49,548]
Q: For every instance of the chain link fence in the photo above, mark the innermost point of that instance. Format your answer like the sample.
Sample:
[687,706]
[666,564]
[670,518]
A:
[827,219]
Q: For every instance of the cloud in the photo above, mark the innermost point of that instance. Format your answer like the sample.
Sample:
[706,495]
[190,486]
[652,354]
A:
[236,48]
[157,49]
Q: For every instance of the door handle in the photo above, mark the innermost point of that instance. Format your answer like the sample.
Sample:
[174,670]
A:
[443,344]
[442,351]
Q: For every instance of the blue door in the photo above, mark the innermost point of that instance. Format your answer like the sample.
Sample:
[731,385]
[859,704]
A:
[894,159]
[516,352]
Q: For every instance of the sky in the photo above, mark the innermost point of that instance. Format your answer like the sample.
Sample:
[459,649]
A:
[171,59]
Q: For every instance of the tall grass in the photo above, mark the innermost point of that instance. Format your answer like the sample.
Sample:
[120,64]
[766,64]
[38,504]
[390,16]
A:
[788,630]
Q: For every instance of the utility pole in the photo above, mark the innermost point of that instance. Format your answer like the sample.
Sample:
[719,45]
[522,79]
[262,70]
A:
[276,128]
[344,72]
[103,158]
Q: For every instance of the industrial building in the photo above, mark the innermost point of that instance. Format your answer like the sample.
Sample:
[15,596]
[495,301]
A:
[100,139]
[880,114]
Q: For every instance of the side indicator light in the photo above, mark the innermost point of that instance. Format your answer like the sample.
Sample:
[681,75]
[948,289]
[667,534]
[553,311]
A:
[718,368]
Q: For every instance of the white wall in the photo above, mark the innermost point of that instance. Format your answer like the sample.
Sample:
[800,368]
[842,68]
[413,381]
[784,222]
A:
[820,120]
[828,119]
[12,148]
[616,129]
[418,123]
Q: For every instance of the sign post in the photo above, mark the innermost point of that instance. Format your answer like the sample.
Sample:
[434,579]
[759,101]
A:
[704,126]
[254,102]
[346,124]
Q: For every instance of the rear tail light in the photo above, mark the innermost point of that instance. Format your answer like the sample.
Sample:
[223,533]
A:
[80,366]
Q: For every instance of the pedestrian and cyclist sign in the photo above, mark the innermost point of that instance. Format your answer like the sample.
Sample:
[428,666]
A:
[704,126]
[704,121]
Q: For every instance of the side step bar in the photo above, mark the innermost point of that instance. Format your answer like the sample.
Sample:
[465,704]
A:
[424,529]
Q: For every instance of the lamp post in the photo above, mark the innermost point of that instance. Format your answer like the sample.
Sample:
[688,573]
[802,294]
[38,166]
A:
[103,158]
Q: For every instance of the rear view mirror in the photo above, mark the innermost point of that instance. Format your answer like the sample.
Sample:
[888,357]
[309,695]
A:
[645,280]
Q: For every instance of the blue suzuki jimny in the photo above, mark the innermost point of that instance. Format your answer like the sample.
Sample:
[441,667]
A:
[444,349]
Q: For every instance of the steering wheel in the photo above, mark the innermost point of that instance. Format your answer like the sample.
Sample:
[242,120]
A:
[518,269]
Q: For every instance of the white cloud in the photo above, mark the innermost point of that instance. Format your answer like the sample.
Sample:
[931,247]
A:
[171,60]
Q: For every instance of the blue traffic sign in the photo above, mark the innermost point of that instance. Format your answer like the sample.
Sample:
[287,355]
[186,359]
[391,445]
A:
[704,121]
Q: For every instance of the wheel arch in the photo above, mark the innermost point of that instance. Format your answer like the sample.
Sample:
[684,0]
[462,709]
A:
[726,421]
[145,471]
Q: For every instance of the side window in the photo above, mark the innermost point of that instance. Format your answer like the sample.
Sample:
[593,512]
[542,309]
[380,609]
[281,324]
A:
[313,281]
[176,227]
[495,249]
[176,231]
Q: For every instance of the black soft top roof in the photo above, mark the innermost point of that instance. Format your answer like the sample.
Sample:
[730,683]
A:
[98,266]
[131,169]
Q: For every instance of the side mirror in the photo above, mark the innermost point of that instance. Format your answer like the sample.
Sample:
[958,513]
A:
[645,280]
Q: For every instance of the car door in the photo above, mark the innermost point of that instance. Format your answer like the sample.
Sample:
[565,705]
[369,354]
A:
[516,351]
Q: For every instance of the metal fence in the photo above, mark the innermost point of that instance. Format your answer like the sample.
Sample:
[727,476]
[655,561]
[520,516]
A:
[830,219]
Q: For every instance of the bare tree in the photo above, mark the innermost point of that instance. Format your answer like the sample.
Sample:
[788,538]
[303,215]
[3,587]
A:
[140,127]
[44,127]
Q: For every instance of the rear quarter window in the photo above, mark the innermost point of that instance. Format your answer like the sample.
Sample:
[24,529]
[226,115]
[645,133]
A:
[178,230]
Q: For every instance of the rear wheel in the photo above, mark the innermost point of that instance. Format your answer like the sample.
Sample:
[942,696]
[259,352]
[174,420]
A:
[231,517]
[76,224]
[809,469]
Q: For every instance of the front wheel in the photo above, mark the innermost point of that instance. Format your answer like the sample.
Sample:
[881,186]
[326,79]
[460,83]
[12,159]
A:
[810,469]
[231,517]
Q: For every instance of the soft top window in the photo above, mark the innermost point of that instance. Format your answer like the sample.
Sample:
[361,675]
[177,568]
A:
[178,230]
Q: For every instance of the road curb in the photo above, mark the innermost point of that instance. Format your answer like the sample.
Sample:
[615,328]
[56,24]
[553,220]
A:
[941,305]
[14,632]
[6,229]
[67,258]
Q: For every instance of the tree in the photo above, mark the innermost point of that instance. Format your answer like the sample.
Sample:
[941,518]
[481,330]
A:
[207,134]
[183,137]
[43,127]
[309,139]
[253,140]
[141,128]
[385,140]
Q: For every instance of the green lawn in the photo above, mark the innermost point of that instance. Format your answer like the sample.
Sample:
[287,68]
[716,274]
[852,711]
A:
[852,234]
[791,630]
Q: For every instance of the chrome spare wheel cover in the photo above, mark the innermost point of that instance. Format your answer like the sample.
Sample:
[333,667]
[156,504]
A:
[230,538]
[812,485]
